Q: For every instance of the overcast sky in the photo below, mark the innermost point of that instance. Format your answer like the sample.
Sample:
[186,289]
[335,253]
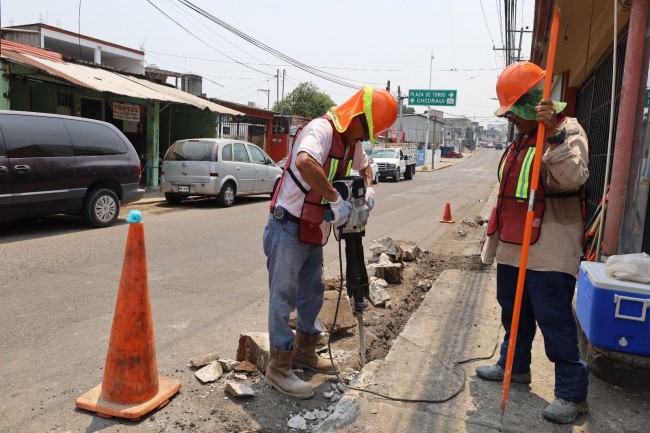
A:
[359,41]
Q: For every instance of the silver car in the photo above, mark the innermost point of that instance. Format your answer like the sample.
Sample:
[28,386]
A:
[222,168]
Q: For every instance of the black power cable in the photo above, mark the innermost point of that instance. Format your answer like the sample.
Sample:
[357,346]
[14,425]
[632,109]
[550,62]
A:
[387,397]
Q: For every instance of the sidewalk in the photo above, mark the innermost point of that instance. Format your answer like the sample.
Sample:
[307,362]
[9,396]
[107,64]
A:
[458,320]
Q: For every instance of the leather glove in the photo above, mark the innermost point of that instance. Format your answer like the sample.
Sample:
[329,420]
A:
[341,212]
[370,198]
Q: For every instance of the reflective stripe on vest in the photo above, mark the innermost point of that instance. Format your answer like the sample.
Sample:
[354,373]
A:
[524,175]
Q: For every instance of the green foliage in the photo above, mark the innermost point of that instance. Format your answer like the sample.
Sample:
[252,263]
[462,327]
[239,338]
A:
[408,110]
[305,100]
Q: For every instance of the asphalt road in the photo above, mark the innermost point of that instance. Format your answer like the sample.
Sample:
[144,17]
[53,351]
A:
[207,280]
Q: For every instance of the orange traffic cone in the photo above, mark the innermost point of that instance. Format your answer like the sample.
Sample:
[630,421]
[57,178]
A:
[446,217]
[131,387]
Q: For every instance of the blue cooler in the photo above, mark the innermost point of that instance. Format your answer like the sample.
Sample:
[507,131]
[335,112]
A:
[613,313]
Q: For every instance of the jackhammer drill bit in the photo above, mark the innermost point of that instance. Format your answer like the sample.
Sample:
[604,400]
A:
[357,284]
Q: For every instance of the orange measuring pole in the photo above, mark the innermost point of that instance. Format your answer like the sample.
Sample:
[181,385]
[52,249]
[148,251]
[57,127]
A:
[528,228]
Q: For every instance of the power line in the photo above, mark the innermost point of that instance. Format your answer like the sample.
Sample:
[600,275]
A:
[314,71]
[223,54]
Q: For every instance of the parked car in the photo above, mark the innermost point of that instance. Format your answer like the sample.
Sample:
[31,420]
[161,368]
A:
[53,164]
[375,171]
[221,168]
[452,155]
[283,161]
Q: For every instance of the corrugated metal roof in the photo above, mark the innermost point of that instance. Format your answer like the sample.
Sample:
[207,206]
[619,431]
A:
[26,49]
[104,80]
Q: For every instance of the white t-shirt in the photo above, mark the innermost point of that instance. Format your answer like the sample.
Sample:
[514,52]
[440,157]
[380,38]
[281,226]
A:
[315,139]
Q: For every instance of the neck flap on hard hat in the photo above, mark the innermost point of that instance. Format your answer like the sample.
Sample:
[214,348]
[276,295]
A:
[359,103]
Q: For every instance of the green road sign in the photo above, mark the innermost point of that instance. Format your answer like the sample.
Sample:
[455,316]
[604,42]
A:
[432,97]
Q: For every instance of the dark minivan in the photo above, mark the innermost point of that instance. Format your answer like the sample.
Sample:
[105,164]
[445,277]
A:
[53,164]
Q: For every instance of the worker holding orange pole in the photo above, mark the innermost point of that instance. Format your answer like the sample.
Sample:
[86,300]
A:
[535,234]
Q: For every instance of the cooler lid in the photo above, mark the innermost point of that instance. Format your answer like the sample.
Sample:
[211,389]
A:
[596,274]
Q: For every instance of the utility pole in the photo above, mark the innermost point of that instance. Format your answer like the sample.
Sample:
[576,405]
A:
[400,98]
[277,87]
[268,93]
[426,134]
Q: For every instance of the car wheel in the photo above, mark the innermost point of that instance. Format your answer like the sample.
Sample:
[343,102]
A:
[101,208]
[226,197]
[173,198]
[398,175]
[275,186]
[375,181]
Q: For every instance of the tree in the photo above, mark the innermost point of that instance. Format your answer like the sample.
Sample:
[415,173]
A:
[305,100]
[407,110]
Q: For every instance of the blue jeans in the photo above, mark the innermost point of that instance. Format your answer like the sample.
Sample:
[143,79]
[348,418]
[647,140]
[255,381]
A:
[295,282]
[546,300]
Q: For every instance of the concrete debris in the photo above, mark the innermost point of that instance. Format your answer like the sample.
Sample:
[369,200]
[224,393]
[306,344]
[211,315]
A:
[239,390]
[344,413]
[202,360]
[254,347]
[386,246]
[210,372]
[378,296]
[297,422]
[322,414]
[379,282]
[410,250]
[425,285]
[462,232]
[470,222]
[480,220]
[311,416]
[328,394]
[227,364]
[391,272]
[240,376]
[247,367]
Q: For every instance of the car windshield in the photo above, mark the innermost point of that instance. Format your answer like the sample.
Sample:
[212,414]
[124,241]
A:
[194,150]
[384,153]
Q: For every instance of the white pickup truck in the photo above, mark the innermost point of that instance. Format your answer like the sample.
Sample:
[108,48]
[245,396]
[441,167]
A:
[395,160]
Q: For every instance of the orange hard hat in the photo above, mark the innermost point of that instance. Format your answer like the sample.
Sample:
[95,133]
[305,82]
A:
[378,105]
[514,82]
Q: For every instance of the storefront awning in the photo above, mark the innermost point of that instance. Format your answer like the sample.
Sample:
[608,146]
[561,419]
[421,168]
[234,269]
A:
[103,80]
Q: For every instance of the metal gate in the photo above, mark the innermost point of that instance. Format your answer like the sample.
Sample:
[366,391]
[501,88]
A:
[247,128]
[592,111]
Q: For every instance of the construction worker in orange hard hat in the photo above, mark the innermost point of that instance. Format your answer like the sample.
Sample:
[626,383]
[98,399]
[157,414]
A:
[324,150]
[554,254]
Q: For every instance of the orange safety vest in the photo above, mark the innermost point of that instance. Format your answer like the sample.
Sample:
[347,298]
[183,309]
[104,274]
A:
[515,172]
[313,229]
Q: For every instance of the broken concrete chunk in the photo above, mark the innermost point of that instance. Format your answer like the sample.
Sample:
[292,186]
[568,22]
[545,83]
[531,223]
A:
[311,416]
[386,246]
[297,422]
[378,295]
[227,364]
[210,372]
[424,285]
[202,360]
[247,367]
[410,250]
[392,273]
[254,347]
[239,390]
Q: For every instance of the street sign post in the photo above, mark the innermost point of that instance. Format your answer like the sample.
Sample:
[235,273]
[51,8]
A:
[432,97]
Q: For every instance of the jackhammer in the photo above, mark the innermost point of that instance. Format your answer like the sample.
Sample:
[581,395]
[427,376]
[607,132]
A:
[353,191]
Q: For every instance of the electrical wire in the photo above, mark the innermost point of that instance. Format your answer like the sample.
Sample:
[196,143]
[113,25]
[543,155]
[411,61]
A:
[310,69]
[212,47]
[388,397]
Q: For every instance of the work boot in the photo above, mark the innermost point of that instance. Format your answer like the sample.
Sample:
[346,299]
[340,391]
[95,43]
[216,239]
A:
[496,372]
[565,412]
[305,356]
[280,376]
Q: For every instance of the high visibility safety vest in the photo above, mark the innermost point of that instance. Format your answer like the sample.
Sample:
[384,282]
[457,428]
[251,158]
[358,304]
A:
[515,173]
[313,227]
